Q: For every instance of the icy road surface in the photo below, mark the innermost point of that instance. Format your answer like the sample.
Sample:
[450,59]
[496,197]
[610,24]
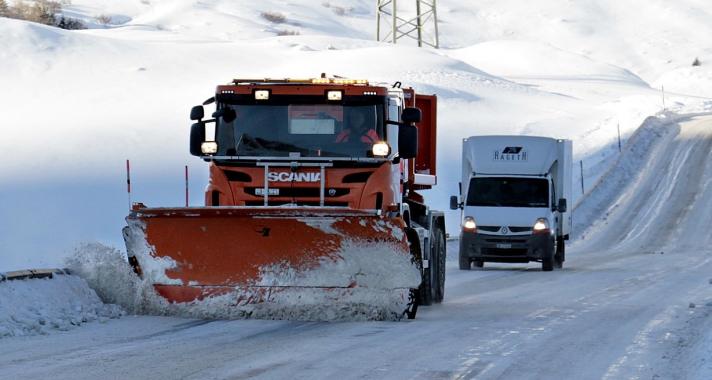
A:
[634,301]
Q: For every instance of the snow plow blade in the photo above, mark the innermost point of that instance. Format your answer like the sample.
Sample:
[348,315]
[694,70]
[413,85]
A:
[273,257]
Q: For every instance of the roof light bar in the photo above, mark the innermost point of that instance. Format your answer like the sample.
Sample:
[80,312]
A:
[338,81]
[300,80]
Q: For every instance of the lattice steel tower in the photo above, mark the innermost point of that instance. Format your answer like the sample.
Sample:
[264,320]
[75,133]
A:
[422,28]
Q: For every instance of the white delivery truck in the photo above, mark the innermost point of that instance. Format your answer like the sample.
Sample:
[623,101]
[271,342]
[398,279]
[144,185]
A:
[514,195]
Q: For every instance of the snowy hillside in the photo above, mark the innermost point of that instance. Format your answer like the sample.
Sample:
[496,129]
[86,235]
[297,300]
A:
[632,300]
[77,104]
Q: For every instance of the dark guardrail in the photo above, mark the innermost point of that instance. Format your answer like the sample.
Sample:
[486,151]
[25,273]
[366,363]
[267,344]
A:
[31,273]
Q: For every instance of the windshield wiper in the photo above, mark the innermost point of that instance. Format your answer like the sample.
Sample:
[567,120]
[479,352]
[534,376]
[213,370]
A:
[237,146]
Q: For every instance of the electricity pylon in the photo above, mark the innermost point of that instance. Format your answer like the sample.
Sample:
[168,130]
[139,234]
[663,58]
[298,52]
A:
[415,28]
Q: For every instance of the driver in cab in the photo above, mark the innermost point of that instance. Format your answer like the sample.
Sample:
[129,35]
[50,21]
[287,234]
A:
[358,129]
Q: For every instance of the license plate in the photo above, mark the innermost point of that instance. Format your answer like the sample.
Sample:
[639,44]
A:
[504,246]
[261,191]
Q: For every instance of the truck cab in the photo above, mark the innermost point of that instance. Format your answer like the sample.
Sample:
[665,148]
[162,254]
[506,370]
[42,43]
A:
[319,143]
[514,199]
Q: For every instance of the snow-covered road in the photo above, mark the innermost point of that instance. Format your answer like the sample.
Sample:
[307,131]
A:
[634,301]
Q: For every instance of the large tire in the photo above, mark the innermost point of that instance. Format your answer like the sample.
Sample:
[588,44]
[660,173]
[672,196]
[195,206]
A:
[464,260]
[560,256]
[417,259]
[479,264]
[438,256]
[412,308]
[425,290]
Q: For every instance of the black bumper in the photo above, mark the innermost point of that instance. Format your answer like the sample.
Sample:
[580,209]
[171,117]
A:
[506,249]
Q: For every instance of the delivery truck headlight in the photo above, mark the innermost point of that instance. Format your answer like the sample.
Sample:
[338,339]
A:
[469,225]
[541,226]
[209,147]
[381,149]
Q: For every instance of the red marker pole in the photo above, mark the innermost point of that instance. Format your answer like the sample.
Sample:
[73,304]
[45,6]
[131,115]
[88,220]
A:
[128,182]
[186,186]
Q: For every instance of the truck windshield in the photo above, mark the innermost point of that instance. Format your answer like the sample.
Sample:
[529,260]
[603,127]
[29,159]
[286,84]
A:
[508,192]
[306,130]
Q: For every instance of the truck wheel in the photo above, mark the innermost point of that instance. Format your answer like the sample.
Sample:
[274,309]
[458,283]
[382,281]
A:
[560,256]
[438,256]
[547,262]
[465,263]
[412,308]
[421,295]
[426,289]
[479,263]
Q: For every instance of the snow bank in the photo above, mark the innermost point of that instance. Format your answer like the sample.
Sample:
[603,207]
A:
[40,306]
[596,205]
[613,189]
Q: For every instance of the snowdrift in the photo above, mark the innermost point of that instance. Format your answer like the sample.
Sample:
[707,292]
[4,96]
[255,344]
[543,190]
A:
[40,306]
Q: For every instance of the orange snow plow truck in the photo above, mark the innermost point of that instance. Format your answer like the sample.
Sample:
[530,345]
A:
[312,202]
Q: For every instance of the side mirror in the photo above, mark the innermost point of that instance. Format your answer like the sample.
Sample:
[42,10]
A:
[197,113]
[454,204]
[197,136]
[411,115]
[227,114]
[407,141]
[561,207]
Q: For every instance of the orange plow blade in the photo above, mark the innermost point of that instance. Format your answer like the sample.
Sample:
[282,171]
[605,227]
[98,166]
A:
[275,262]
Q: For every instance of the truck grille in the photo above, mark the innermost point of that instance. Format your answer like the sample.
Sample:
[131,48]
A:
[520,229]
[509,239]
[299,192]
[498,228]
[271,202]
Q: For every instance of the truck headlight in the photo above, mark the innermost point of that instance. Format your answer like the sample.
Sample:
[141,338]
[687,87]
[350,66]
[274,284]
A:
[261,94]
[381,149]
[209,147]
[541,226]
[334,95]
[469,225]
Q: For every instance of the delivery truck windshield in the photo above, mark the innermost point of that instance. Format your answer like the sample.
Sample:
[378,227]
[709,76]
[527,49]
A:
[508,192]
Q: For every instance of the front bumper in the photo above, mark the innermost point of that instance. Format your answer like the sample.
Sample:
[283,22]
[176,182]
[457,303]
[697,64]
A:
[506,248]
